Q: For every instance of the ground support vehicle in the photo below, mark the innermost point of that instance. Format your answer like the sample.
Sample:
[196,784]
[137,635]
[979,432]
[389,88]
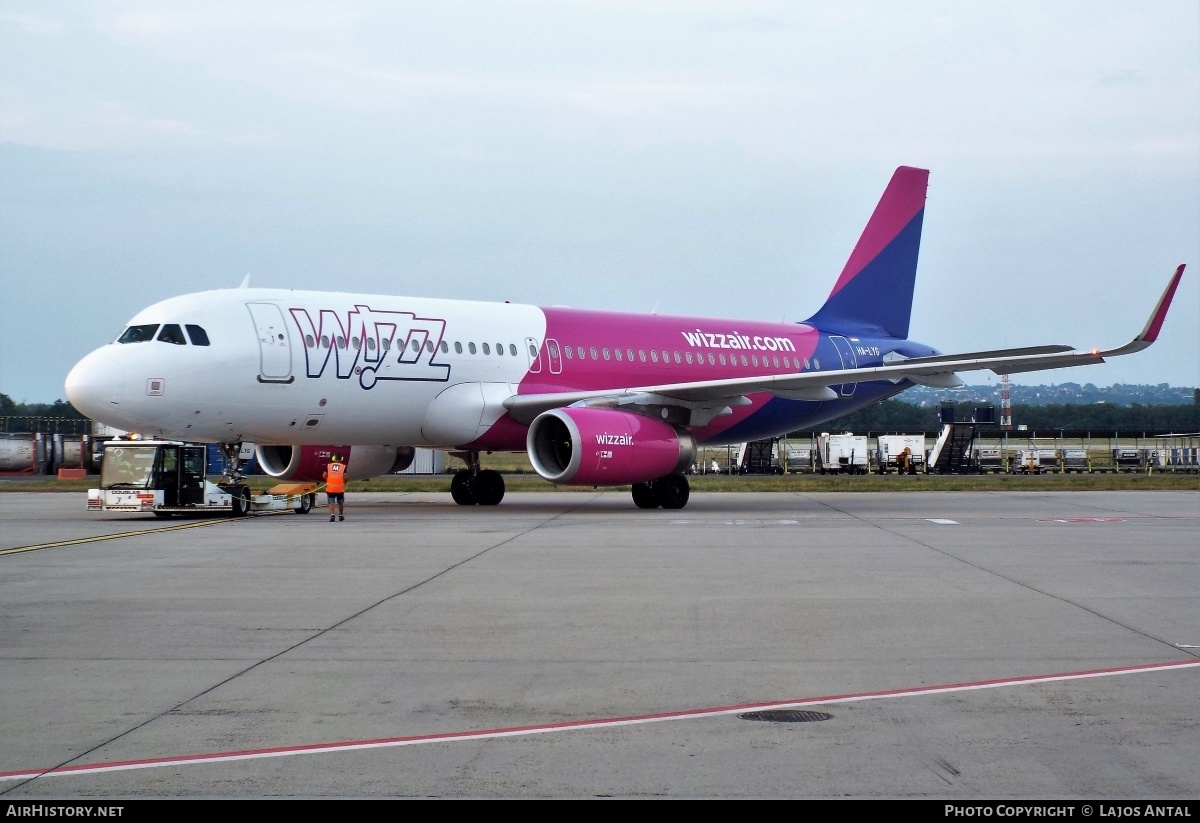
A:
[168,478]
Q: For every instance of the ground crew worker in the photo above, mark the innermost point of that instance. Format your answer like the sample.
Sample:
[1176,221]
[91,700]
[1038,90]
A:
[335,486]
[904,462]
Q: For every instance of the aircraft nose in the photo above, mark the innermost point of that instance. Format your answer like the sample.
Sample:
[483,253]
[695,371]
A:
[95,385]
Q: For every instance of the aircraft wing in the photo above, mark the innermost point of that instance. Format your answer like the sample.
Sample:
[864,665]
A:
[709,398]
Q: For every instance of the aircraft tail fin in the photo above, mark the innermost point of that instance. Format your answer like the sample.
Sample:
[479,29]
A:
[874,293]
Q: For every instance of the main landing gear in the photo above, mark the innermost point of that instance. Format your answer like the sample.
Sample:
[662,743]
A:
[232,479]
[475,486]
[670,492]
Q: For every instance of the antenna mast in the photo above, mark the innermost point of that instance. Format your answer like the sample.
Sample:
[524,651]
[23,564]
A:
[1005,404]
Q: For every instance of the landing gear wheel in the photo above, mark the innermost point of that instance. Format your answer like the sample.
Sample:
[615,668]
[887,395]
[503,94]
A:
[644,496]
[488,487]
[241,500]
[460,489]
[672,491]
[304,504]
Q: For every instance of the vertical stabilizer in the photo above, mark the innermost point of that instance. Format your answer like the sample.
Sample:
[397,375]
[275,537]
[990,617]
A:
[874,293]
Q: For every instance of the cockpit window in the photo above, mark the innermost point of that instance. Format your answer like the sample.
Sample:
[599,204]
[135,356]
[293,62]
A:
[138,334]
[199,336]
[171,333]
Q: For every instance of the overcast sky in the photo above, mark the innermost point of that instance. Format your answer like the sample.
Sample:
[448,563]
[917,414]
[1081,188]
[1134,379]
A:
[707,158]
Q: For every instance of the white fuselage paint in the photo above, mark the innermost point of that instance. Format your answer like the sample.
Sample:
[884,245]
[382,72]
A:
[268,377]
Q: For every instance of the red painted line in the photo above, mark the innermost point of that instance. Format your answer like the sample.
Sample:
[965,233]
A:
[516,731]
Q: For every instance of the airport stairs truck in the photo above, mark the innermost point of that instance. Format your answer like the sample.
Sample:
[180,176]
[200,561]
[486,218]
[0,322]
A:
[168,478]
[954,452]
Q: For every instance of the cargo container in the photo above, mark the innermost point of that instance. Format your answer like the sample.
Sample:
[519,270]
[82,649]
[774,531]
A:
[1076,460]
[989,458]
[890,447]
[842,454]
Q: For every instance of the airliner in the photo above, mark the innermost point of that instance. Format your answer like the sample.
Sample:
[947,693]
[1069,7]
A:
[595,398]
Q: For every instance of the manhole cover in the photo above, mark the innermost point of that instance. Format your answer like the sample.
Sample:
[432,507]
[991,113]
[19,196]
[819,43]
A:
[786,716]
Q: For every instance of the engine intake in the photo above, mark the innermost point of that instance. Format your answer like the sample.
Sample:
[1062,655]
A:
[582,446]
[308,462]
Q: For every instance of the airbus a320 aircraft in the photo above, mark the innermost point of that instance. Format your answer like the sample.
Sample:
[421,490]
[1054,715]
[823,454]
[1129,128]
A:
[595,398]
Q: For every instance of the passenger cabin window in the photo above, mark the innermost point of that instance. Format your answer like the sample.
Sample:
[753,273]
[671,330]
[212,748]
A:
[445,347]
[486,350]
[457,347]
[199,335]
[512,349]
[138,334]
[471,347]
[171,333]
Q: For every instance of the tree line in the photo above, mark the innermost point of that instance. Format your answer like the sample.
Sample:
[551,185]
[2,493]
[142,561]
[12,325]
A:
[59,416]
[886,416]
[899,416]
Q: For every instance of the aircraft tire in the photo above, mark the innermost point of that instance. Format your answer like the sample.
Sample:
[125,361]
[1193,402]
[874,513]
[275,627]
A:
[488,487]
[672,491]
[241,500]
[460,489]
[644,496]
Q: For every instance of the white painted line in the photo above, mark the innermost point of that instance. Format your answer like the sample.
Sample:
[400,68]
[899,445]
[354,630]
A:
[942,522]
[734,522]
[1082,520]
[581,725]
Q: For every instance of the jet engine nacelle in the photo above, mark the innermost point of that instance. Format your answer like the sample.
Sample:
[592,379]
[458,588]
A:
[582,446]
[308,462]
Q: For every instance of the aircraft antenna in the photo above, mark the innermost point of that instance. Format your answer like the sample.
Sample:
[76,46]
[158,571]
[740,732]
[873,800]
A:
[1005,404]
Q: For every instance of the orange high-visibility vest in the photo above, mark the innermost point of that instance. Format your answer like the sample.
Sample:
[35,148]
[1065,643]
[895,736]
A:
[335,478]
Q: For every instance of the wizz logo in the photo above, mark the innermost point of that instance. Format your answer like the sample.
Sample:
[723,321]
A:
[736,340]
[372,345]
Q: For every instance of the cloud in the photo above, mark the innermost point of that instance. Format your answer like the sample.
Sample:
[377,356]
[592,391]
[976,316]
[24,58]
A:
[32,23]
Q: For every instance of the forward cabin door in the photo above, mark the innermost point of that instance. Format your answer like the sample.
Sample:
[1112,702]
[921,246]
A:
[274,346]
